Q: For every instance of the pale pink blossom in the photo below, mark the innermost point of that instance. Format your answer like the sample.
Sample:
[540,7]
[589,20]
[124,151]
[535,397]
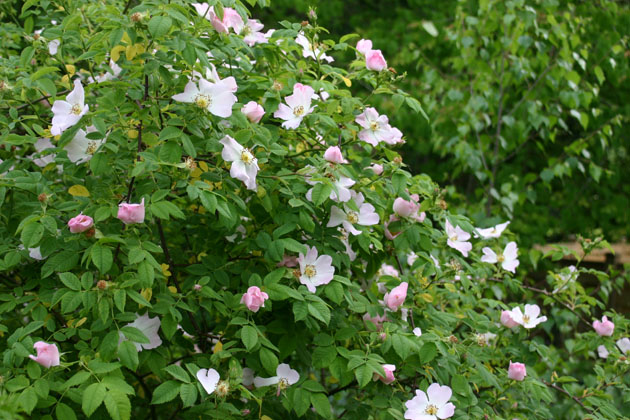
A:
[602,351]
[116,70]
[411,257]
[289,261]
[285,377]
[252,34]
[244,163]
[624,345]
[458,239]
[530,318]
[297,107]
[253,111]
[342,192]
[389,374]
[376,128]
[80,223]
[41,145]
[216,98]
[507,320]
[364,46]
[149,327]
[345,240]
[209,379]
[53,46]
[231,18]
[397,296]
[409,208]
[433,405]
[417,332]
[47,354]
[248,378]
[131,213]
[493,232]
[604,328]
[254,299]
[377,320]
[387,270]
[309,51]
[374,60]
[376,168]
[391,235]
[333,155]
[81,149]
[508,259]
[315,271]
[517,371]
[67,113]
[366,216]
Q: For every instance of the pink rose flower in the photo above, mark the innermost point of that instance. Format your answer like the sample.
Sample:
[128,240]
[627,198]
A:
[131,213]
[397,296]
[376,320]
[507,320]
[389,235]
[254,299]
[80,223]
[47,354]
[604,328]
[288,261]
[389,374]
[333,155]
[253,111]
[517,371]
[376,168]
[364,46]
[374,60]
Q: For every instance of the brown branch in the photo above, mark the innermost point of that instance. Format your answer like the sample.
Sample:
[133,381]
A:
[565,392]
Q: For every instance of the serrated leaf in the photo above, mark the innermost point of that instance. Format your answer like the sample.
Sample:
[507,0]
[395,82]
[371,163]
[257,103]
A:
[177,372]
[188,394]
[159,25]
[92,397]
[70,281]
[118,405]
[102,257]
[64,412]
[165,392]
[249,336]
[78,191]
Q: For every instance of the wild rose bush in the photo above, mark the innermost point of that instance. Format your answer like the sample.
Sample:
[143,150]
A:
[205,218]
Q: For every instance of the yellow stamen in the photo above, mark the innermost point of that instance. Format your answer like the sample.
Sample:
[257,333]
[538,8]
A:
[310,271]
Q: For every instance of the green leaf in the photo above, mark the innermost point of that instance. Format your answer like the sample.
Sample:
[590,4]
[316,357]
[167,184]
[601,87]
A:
[460,385]
[42,72]
[128,355]
[177,372]
[118,405]
[165,392]
[321,403]
[269,360]
[135,335]
[64,412]
[70,281]
[77,379]
[28,399]
[102,258]
[249,336]
[188,394]
[31,234]
[159,26]
[92,398]
[428,353]
[320,311]
[363,374]
[320,193]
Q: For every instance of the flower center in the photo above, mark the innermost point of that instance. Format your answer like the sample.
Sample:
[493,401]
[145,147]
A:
[352,217]
[202,101]
[298,111]
[526,319]
[431,410]
[283,383]
[453,238]
[374,125]
[92,146]
[247,157]
[310,271]
[76,109]
[246,31]
[500,258]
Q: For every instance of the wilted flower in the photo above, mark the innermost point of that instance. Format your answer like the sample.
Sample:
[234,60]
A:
[624,345]
[309,51]
[80,223]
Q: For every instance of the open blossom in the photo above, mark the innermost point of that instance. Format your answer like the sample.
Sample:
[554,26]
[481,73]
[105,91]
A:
[342,193]
[507,320]
[604,328]
[458,239]
[530,318]
[231,18]
[47,354]
[411,257]
[309,51]
[254,299]
[376,128]
[348,217]
[252,34]
[377,320]
[389,374]
[149,327]
[81,149]
[41,145]
[364,46]
[517,371]
[508,259]
[244,164]
[345,240]
[624,345]
[602,351]
[397,296]
[285,377]
[298,105]
[116,70]
[131,213]
[217,98]
[417,332]
[433,405]
[493,232]
[375,61]
[253,111]
[314,270]
[333,155]
[53,46]
[80,223]
[209,379]
[67,113]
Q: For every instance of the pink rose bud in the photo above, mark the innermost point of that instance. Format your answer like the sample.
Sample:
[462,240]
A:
[397,296]
[333,155]
[197,287]
[604,328]
[364,46]
[131,213]
[376,168]
[253,111]
[376,320]
[254,299]
[507,320]
[289,261]
[374,60]
[405,208]
[80,223]
[517,371]
[47,354]
[389,374]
